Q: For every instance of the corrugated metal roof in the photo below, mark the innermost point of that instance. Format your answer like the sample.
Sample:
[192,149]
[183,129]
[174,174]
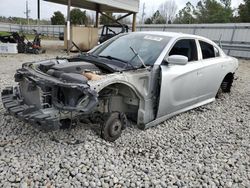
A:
[118,6]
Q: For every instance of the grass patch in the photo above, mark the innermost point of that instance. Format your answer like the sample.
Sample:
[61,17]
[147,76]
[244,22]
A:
[2,33]
[30,36]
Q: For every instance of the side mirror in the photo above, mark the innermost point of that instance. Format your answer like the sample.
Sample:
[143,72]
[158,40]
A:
[177,59]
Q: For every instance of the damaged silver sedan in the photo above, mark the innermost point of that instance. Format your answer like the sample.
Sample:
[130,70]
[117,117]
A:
[143,77]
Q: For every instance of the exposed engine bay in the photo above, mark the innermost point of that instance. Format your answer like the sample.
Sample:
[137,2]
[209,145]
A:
[77,72]
[59,82]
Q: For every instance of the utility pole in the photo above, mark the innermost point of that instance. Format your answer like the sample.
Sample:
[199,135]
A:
[27,12]
[38,15]
[143,13]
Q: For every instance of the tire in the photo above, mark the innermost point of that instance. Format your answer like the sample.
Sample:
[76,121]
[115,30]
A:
[219,93]
[112,126]
[226,85]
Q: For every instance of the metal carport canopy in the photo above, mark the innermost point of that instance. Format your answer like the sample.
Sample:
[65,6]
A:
[117,6]
[100,6]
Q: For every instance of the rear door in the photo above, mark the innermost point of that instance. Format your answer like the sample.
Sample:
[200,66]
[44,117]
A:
[179,82]
[209,73]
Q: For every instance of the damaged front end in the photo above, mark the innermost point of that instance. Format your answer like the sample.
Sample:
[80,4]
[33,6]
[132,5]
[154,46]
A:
[51,91]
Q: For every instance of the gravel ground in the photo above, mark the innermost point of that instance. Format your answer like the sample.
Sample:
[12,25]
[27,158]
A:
[205,147]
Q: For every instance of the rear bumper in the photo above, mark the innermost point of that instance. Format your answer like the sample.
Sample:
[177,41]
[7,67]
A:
[28,113]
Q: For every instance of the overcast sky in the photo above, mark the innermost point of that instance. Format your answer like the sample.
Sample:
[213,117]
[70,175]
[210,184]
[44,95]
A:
[16,8]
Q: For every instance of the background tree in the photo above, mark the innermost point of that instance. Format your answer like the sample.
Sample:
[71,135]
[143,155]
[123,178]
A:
[57,18]
[105,20]
[228,11]
[168,10]
[212,11]
[186,15]
[226,3]
[157,18]
[148,21]
[78,17]
[18,20]
[244,11]
[206,11]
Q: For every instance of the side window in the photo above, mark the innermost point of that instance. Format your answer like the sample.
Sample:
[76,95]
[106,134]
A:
[208,50]
[185,47]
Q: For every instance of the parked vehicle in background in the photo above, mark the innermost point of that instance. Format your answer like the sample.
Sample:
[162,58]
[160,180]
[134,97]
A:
[7,38]
[109,31]
[144,77]
[23,44]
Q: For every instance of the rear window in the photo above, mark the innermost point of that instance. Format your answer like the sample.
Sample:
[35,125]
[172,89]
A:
[208,50]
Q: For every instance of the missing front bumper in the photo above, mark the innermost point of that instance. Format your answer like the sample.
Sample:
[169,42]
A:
[28,113]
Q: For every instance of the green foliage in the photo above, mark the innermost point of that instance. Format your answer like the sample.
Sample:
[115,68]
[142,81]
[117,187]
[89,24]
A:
[78,17]
[105,20]
[226,3]
[157,18]
[57,18]
[211,11]
[186,15]
[148,21]
[4,33]
[206,11]
[18,20]
[244,11]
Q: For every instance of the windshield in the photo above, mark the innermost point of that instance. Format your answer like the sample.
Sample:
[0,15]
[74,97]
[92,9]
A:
[148,47]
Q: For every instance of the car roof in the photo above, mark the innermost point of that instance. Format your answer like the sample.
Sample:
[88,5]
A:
[176,35]
[172,34]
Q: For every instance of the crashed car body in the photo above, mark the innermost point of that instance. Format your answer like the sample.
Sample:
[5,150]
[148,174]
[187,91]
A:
[145,77]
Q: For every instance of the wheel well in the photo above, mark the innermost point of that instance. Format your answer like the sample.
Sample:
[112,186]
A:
[121,98]
[227,82]
[229,76]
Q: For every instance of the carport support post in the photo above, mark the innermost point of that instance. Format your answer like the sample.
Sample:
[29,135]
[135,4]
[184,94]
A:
[68,27]
[134,22]
[97,17]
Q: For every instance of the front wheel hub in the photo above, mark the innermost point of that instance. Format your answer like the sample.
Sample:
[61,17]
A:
[116,127]
[112,127]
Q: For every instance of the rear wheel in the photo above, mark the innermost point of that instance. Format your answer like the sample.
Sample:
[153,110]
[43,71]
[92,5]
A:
[226,85]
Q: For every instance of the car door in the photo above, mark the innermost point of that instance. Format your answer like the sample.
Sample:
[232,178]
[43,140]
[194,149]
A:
[178,88]
[209,72]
